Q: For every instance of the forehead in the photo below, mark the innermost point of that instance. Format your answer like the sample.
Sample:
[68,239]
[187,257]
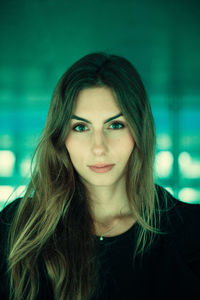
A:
[96,99]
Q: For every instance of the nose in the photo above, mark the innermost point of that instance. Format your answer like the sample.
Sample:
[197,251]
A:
[99,143]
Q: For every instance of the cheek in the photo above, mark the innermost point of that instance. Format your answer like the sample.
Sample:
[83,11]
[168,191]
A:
[131,144]
[123,150]
[128,149]
[128,144]
[76,152]
[71,147]
[71,144]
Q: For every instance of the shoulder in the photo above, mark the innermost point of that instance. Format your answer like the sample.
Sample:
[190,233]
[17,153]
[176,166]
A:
[181,221]
[179,246]
[177,212]
[8,212]
[6,217]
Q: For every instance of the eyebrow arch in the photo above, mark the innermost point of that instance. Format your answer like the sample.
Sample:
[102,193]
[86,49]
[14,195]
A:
[106,121]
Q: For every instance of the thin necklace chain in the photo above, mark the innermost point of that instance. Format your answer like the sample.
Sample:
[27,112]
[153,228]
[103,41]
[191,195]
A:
[102,235]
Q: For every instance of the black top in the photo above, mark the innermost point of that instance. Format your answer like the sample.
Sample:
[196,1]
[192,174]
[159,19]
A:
[170,270]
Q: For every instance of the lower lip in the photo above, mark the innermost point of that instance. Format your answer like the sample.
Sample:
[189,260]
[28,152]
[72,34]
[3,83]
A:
[101,170]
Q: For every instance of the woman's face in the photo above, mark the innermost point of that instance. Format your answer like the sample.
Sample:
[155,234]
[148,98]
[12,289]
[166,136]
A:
[96,142]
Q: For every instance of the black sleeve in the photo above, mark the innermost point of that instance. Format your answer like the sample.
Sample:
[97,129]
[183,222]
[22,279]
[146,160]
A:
[181,259]
[188,241]
[6,216]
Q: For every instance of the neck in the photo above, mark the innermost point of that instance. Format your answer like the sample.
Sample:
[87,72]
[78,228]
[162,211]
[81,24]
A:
[109,203]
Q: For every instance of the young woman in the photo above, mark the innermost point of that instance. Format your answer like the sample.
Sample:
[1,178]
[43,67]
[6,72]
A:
[92,224]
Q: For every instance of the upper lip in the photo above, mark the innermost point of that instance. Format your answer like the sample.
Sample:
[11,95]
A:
[101,165]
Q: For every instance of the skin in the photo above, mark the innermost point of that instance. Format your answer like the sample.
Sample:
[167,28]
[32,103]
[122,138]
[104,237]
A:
[101,143]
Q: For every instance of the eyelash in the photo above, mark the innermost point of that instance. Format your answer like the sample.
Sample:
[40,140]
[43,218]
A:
[76,125]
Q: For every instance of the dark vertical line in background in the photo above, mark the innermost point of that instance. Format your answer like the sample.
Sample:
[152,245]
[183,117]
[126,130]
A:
[175,130]
[17,106]
[174,108]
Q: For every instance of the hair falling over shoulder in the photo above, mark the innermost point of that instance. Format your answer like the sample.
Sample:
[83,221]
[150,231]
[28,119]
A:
[53,228]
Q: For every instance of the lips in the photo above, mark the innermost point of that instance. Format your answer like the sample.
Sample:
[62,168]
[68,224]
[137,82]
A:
[104,168]
[101,165]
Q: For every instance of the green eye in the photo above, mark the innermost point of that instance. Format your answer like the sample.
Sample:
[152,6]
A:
[117,124]
[80,126]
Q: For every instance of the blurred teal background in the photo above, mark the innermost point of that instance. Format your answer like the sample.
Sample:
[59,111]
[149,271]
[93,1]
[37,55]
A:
[41,39]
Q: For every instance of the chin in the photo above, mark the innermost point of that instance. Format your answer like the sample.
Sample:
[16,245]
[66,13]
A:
[95,180]
[101,181]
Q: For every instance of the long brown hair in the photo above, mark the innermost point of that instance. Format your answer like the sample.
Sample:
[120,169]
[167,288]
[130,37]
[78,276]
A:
[53,222]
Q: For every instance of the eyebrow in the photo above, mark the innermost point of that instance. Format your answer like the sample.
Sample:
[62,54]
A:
[87,121]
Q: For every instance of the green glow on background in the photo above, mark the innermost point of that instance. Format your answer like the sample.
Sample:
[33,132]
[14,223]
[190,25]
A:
[41,39]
